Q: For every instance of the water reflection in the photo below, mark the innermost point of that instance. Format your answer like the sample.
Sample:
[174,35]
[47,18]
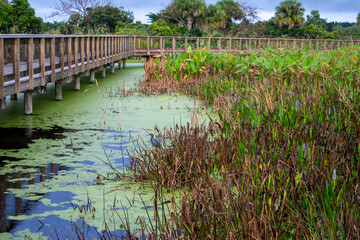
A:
[12,205]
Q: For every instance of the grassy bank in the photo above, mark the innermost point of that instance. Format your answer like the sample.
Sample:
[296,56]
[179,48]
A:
[281,159]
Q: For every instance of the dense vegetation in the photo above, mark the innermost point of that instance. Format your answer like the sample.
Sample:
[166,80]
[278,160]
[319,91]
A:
[179,17]
[279,160]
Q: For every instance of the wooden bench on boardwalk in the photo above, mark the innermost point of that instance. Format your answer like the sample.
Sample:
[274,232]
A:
[29,62]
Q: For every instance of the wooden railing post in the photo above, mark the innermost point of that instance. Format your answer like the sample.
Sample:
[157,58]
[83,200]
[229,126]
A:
[209,44]
[30,61]
[93,39]
[161,45]
[186,44]
[76,54]
[102,50]
[69,55]
[173,45]
[82,53]
[42,61]
[88,53]
[16,64]
[110,48]
[98,51]
[106,50]
[197,43]
[147,45]
[2,97]
[61,57]
[219,44]
[52,59]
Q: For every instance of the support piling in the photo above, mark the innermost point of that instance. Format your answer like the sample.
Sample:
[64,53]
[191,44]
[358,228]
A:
[58,91]
[28,108]
[77,83]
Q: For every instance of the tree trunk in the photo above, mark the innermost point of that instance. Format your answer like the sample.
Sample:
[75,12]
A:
[189,23]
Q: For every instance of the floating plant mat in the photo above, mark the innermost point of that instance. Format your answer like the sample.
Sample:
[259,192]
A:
[50,167]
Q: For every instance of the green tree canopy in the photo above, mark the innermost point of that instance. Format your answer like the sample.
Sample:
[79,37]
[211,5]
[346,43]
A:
[358,19]
[314,18]
[289,13]
[185,12]
[18,17]
[107,17]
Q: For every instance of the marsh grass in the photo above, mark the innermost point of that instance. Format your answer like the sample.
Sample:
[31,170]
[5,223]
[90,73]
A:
[281,160]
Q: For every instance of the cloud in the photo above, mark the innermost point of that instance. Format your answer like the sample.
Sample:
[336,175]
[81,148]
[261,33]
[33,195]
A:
[332,10]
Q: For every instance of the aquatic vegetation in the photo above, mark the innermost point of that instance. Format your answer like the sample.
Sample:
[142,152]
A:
[281,159]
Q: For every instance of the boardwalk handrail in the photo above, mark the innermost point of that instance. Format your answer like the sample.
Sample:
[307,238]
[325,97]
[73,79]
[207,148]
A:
[29,62]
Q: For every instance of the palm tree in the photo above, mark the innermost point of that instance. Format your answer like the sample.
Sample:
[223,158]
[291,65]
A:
[289,13]
[185,12]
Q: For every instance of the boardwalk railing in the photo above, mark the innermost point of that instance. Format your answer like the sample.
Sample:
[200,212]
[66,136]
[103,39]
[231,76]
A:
[29,62]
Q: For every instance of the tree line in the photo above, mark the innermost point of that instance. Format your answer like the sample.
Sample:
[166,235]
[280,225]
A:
[179,18]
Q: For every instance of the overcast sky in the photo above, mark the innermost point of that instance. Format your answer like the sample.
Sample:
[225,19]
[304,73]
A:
[332,10]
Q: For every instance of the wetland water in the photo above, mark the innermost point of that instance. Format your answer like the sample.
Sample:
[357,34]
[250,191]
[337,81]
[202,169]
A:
[49,161]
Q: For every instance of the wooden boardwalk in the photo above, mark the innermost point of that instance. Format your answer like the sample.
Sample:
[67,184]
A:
[29,62]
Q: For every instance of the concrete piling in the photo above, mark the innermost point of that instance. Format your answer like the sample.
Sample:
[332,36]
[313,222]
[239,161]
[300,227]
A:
[58,91]
[77,83]
[28,106]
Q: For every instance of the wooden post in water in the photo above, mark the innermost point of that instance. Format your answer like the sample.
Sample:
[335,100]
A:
[28,109]
[58,91]
[112,67]
[92,75]
[77,83]
[124,63]
[103,72]
[13,97]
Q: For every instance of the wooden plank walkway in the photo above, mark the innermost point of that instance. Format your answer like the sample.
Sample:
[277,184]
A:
[29,62]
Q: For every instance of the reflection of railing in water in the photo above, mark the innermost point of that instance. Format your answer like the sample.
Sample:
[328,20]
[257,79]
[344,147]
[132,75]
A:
[29,62]
[20,205]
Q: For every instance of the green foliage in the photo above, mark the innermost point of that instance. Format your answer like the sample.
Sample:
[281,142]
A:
[314,18]
[58,28]
[108,17]
[358,19]
[289,13]
[289,121]
[153,17]
[131,29]
[18,17]
[160,28]
[352,32]
[5,17]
